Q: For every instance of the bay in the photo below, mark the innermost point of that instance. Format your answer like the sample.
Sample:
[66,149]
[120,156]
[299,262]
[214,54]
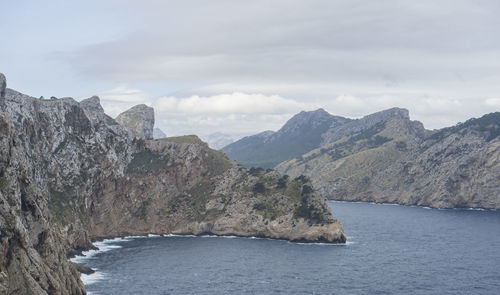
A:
[391,250]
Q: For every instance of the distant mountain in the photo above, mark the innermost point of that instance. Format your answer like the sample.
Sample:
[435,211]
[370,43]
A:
[302,133]
[218,140]
[158,133]
[385,157]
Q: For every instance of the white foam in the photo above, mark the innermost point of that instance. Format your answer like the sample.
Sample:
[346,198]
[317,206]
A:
[92,278]
[103,246]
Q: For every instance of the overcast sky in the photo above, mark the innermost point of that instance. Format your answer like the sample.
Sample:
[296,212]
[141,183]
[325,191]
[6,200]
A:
[241,67]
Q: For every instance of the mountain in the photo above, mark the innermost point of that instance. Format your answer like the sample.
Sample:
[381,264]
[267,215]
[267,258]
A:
[70,174]
[385,157]
[138,120]
[302,133]
[158,133]
[218,140]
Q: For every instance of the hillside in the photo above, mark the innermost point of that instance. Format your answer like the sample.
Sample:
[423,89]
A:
[70,174]
[300,134]
[395,160]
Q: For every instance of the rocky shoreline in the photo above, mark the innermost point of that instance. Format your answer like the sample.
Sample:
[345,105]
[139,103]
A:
[70,174]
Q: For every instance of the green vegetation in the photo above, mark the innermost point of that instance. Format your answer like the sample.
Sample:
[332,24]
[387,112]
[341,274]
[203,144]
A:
[255,171]
[61,146]
[366,139]
[142,211]
[308,212]
[4,184]
[62,206]
[215,161]
[259,188]
[146,162]
[488,124]
[307,190]
[110,121]
[401,146]
[184,139]
[302,179]
[282,182]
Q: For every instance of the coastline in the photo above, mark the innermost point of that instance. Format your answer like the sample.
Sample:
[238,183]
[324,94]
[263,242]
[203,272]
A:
[420,206]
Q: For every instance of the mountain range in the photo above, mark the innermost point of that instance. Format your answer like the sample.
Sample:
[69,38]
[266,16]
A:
[384,157]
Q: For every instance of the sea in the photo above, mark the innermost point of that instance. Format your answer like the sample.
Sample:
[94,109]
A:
[390,249]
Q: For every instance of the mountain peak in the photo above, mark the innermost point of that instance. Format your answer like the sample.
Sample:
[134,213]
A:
[138,120]
[392,112]
[310,119]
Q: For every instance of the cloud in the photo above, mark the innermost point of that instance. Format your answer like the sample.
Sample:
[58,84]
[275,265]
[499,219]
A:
[121,98]
[494,102]
[234,103]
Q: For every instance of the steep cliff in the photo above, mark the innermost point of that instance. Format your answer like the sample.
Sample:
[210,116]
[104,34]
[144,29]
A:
[69,173]
[138,121]
[385,157]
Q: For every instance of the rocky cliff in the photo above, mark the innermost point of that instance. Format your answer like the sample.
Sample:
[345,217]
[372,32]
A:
[385,157]
[138,120]
[69,173]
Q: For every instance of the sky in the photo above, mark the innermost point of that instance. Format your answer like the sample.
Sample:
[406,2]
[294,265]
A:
[242,67]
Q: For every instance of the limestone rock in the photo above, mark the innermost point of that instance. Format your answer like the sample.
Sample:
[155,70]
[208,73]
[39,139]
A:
[93,109]
[67,177]
[394,160]
[3,86]
[139,121]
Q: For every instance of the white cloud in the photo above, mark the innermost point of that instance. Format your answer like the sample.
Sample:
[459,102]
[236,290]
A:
[494,102]
[121,98]
[234,103]
[124,94]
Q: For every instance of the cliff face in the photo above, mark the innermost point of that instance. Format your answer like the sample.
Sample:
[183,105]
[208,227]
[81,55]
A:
[139,121]
[70,173]
[385,157]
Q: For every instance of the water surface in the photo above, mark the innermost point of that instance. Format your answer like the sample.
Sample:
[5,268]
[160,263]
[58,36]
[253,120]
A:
[390,250]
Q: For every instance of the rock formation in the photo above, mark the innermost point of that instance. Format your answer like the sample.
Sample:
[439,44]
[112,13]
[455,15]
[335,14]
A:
[385,157]
[69,174]
[138,120]
[3,86]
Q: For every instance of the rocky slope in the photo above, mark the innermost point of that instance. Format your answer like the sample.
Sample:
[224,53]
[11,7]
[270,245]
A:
[299,135]
[69,174]
[385,157]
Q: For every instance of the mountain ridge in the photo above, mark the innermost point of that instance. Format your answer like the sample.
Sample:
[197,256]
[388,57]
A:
[269,148]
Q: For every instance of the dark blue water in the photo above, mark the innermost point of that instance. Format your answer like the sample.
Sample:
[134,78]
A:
[391,250]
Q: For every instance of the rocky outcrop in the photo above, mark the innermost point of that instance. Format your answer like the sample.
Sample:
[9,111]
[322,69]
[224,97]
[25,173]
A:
[139,121]
[70,174]
[3,86]
[302,133]
[385,157]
